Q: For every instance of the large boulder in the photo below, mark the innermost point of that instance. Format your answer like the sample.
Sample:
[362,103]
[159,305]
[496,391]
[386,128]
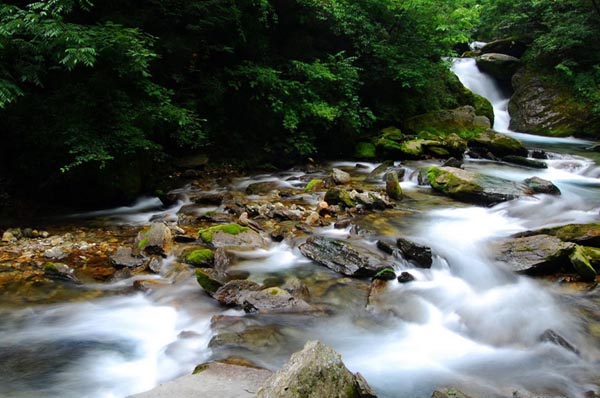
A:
[545,107]
[315,372]
[497,144]
[449,121]
[341,257]
[509,46]
[537,254]
[471,187]
[500,66]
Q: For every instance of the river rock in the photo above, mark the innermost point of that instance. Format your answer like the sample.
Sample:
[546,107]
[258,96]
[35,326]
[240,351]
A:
[337,196]
[274,300]
[233,292]
[405,277]
[341,256]
[155,240]
[55,253]
[261,188]
[392,185]
[497,144]
[214,379]
[255,338]
[340,177]
[370,200]
[552,337]
[538,254]
[232,236]
[209,279]
[539,106]
[123,257]
[315,372]
[582,234]
[539,185]
[582,264]
[378,172]
[500,66]
[509,46]
[60,271]
[523,161]
[421,255]
[471,187]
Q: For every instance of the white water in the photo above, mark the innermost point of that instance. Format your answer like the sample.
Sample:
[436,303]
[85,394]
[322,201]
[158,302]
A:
[466,322]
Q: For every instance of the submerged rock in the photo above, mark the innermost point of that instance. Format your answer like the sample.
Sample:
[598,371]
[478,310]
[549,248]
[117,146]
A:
[539,185]
[523,161]
[341,256]
[315,372]
[60,271]
[471,187]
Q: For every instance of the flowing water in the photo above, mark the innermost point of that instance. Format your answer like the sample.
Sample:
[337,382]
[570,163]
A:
[466,322]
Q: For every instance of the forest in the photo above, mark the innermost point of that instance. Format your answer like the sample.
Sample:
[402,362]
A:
[104,95]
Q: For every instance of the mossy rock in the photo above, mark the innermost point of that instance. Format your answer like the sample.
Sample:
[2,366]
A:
[209,280]
[206,234]
[314,185]
[545,104]
[337,196]
[392,185]
[200,257]
[593,256]
[365,150]
[582,234]
[389,142]
[500,66]
[582,264]
[471,187]
[498,144]
[449,121]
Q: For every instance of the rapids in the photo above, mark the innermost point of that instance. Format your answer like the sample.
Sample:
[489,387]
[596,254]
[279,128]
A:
[466,322]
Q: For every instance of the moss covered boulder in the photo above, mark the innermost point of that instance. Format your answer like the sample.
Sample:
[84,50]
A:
[457,120]
[365,150]
[498,144]
[389,142]
[543,104]
[338,196]
[471,187]
[209,279]
[392,185]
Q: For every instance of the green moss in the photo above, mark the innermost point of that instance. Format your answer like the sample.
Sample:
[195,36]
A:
[336,196]
[142,243]
[200,368]
[200,257]
[50,267]
[383,271]
[206,234]
[365,150]
[582,264]
[593,256]
[313,185]
[207,281]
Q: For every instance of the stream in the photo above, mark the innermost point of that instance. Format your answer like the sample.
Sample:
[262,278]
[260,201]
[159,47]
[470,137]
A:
[466,322]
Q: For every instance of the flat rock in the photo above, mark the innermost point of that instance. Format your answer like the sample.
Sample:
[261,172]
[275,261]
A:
[537,254]
[123,257]
[274,300]
[214,380]
[341,257]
